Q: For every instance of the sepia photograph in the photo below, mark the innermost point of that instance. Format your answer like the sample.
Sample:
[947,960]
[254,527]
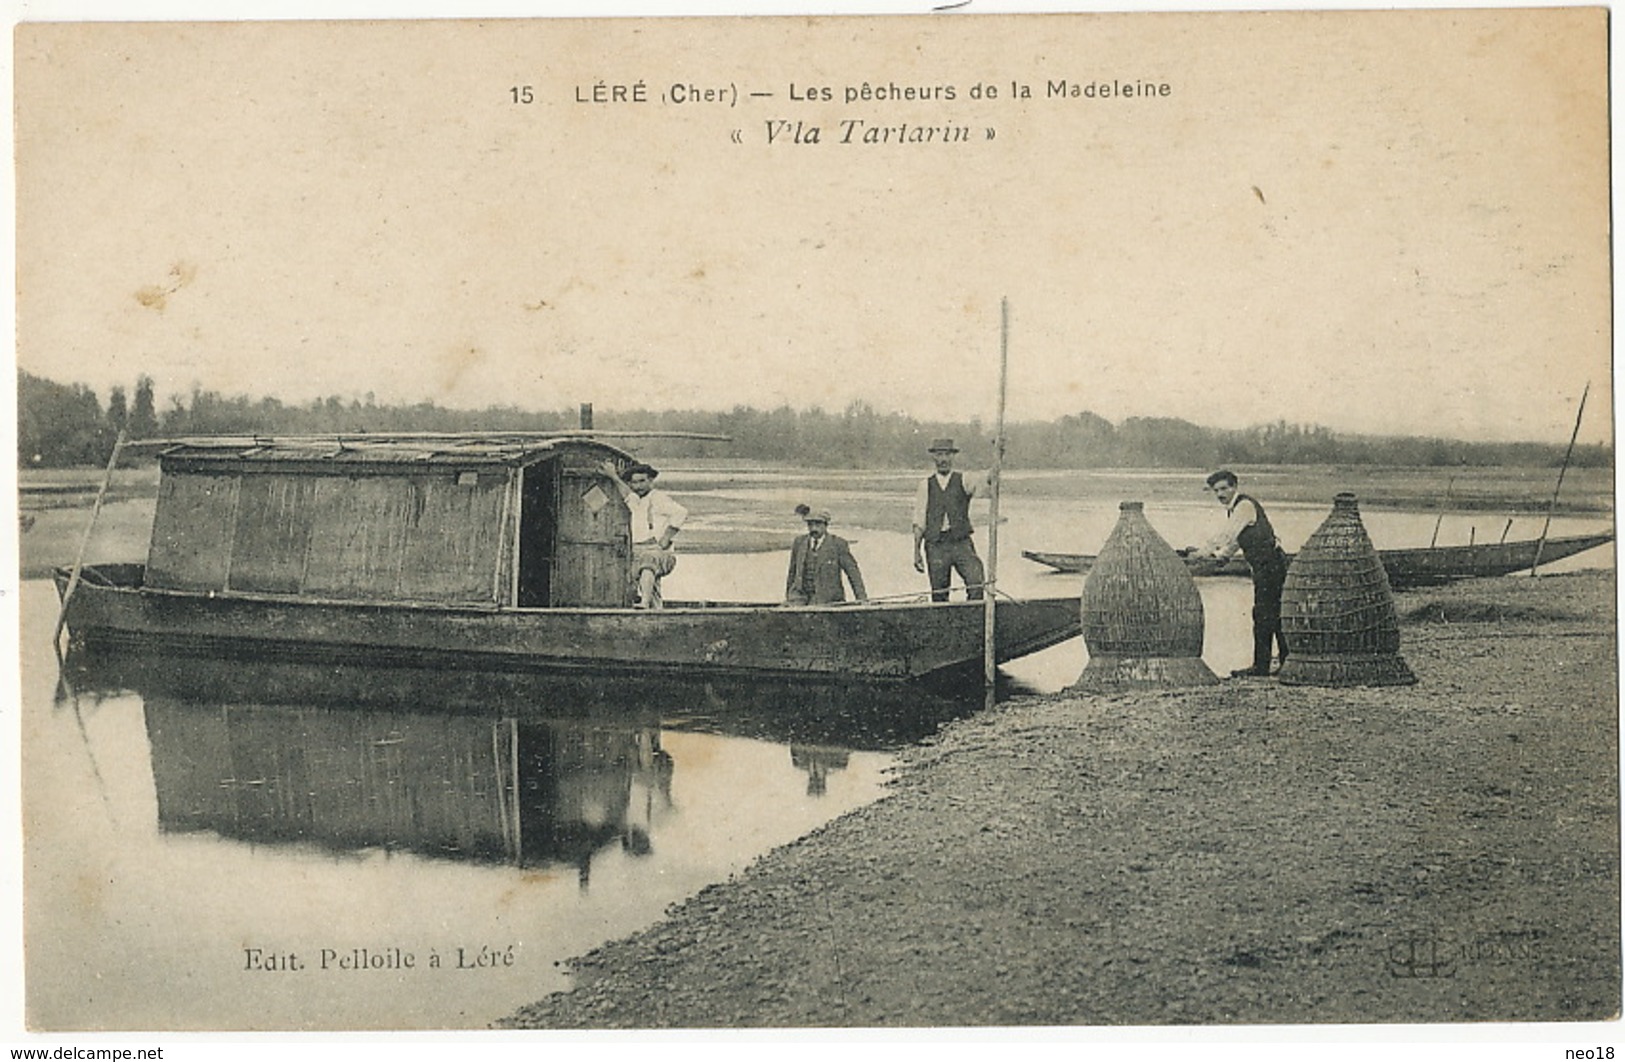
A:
[959,518]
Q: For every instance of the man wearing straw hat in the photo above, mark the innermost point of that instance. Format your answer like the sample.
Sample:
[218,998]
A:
[654,518]
[817,561]
[1249,530]
[942,527]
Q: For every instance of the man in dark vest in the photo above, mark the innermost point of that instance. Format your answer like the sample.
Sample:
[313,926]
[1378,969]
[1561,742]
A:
[942,525]
[1249,530]
[817,560]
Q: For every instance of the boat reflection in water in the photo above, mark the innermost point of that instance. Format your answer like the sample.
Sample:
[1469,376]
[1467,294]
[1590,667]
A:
[530,770]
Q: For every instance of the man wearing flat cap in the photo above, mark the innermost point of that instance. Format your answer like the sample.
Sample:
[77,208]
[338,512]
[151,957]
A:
[654,518]
[942,527]
[817,560]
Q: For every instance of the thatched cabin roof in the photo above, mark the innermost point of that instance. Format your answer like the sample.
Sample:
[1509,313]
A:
[352,453]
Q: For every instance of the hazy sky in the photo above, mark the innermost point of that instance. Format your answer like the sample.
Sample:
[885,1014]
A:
[1381,222]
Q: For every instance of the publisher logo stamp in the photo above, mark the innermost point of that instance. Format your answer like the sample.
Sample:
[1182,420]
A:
[1431,956]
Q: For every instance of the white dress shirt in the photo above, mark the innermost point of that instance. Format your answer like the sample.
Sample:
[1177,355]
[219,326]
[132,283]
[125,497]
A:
[653,514]
[1243,514]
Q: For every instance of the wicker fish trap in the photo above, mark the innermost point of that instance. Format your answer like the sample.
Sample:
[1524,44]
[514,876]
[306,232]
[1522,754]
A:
[1141,612]
[1337,609]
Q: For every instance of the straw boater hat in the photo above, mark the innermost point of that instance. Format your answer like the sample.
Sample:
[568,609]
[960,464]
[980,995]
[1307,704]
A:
[942,446]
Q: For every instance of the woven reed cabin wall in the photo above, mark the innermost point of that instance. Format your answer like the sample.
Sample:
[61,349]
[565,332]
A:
[1141,612]
[1337,609]
[527,525]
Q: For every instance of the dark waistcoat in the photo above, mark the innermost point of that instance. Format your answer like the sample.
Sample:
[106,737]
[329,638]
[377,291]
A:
[954,502]
[1257,540]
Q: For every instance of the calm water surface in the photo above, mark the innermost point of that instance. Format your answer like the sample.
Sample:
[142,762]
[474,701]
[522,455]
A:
[201,835]
[226,844]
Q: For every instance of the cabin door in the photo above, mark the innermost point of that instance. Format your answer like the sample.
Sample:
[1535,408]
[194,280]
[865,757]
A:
[538,527]
[593,549]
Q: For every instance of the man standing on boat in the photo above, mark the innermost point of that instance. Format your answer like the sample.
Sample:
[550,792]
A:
[942,525]
[1249,530]
[817,560]
[655,519]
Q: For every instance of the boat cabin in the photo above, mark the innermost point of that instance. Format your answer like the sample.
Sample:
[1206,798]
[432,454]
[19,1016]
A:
[492,522]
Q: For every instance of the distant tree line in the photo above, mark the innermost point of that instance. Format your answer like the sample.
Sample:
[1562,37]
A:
[65,424]
[60,425]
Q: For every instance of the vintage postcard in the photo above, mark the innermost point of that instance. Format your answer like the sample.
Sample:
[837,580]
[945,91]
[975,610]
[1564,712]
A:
[517,517]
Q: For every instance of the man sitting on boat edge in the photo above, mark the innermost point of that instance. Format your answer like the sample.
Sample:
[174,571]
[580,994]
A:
[817,560]
[655,517]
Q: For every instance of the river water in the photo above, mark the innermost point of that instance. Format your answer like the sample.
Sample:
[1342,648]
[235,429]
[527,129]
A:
[226,844]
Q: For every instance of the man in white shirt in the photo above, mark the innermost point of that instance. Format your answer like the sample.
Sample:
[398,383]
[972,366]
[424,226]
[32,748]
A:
[1241,512]
[1249,530]
[655,517]
[942,527]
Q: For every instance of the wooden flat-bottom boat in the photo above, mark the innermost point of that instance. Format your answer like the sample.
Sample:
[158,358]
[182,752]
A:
[1406,568]
[894,641]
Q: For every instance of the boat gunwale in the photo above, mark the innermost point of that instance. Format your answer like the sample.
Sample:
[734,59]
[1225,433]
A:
[61,573]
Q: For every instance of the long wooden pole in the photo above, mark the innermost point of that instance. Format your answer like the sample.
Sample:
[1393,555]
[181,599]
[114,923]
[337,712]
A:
[1534,569]
[84,541]
[990,581]
[1448,487]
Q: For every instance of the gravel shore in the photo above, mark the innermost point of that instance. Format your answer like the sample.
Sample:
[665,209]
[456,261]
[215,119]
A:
[1246,853]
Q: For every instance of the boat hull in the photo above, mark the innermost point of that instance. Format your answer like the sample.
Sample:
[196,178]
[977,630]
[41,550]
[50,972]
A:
[873,641]
[1406,568]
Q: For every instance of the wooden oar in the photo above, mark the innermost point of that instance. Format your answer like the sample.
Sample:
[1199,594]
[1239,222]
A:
[84,542]
[1534,569]
[990,667]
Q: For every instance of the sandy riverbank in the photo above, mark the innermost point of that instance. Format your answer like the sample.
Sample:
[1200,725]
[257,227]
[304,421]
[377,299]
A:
[1247,853]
